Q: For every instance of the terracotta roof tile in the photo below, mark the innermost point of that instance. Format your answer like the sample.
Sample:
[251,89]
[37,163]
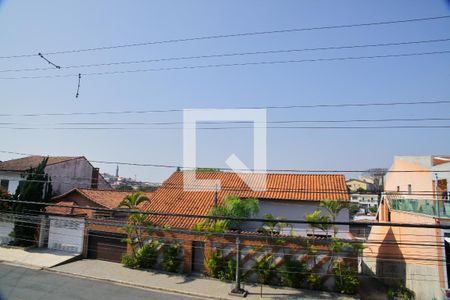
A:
[438,160]
[61,210]
[171,197]
[26,163]
[104,198]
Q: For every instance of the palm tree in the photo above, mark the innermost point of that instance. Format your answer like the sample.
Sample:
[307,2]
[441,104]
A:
[319,222]
[334,207]
[136,220]
[233,207]
[133,200]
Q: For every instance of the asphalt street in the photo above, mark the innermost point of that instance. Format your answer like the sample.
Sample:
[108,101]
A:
[23,283]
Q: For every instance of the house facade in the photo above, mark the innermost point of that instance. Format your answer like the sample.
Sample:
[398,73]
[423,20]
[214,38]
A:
[364,201]
[416,192]
[103,244]
[288,196]
[66,172]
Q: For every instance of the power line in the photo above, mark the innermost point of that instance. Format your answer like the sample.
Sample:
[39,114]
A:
[209,66]
[238,127]
[230,55]
[229,169]
[195,216]
[234,35]
[234,190]
[301,106]
[236,122]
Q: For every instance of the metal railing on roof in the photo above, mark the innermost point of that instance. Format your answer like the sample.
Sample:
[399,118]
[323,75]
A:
[439,208]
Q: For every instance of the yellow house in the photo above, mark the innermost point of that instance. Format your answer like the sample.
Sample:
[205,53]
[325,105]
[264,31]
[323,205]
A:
[356,184]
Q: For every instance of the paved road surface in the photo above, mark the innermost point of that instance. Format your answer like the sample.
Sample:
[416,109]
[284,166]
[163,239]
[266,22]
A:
[23,283]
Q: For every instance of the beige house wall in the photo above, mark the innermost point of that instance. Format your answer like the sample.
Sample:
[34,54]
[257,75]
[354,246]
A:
[415,255]
[420,181]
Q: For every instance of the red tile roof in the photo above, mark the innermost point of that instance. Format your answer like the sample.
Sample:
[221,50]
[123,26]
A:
[438,160]
[171,197]
[104,198]
[26,163]
[61,210]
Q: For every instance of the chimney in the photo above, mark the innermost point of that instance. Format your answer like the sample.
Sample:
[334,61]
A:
[94,178]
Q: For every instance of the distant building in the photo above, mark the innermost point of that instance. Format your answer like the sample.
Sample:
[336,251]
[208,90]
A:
[364,200]
[66,173]
[356,185]
[126,184]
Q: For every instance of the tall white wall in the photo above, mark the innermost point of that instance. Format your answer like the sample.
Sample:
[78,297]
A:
[296,210]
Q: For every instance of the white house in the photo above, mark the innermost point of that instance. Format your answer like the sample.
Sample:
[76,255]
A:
[66,172]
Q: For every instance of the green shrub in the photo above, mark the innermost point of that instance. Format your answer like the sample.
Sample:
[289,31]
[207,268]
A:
[401,292]
[293,273]
[147,255]
[264,269]
[221,267]
[216,264]
[231,270]
[130,261]
[172,257]
[346,279]
[314,281]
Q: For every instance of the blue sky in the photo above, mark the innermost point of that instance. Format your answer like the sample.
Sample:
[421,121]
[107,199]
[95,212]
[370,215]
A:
[44,26]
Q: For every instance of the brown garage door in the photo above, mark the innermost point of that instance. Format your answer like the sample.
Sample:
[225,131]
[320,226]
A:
[106,246]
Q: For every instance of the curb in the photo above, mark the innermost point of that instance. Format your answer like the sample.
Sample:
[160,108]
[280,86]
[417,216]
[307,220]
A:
[21,265]
[125,283]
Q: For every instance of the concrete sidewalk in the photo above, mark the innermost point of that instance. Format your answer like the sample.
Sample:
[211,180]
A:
[35,257]
[188,285]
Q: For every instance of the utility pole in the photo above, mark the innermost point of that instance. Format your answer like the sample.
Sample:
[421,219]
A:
[238,291]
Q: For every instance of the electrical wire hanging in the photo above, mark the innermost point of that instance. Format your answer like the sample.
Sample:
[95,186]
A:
[51,63]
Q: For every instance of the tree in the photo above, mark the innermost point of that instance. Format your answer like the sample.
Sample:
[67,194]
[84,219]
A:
[36,188]
[373,209]
[233,207]
[319,222]
[334,207]
[263,269]
[207,170]
[360,190]
[273,225]
[4,195]
[137,221]
[123,187]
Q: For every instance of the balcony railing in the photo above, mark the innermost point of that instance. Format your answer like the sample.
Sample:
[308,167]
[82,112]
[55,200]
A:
[431,207]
